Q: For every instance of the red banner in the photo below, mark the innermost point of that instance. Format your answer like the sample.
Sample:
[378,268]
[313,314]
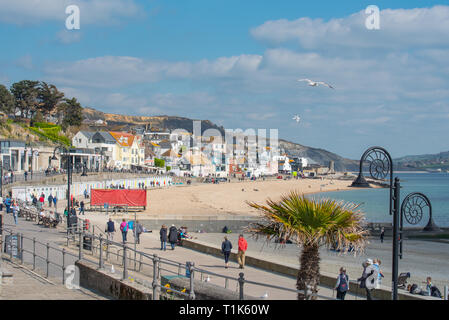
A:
[132,198]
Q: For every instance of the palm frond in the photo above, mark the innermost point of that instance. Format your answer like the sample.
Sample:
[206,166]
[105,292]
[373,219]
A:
[311,222]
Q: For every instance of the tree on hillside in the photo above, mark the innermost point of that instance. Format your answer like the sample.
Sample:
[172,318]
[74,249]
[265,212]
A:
[73,113]
[311,224]
[49,98]
[6,100]
[160,163]
[25,94]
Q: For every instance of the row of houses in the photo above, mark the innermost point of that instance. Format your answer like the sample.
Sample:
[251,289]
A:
[180,153]
[183,153]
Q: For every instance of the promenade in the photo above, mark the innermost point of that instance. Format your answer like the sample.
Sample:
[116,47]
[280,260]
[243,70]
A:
[150,244]
[27,285]
[421,258]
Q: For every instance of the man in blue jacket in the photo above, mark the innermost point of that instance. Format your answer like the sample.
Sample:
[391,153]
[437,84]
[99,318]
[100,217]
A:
[8,204]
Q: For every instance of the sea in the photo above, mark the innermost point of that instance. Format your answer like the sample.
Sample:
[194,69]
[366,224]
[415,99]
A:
[375,202]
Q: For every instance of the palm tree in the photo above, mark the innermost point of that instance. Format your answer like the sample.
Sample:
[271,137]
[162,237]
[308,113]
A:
[311,224]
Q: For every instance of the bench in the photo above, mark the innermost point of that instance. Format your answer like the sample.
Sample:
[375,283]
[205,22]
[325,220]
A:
[48,222]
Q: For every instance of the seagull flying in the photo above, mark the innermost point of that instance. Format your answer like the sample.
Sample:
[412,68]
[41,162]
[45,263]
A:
[296,118]
[316,83]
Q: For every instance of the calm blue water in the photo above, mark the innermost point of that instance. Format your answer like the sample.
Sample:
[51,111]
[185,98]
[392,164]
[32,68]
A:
[375,201]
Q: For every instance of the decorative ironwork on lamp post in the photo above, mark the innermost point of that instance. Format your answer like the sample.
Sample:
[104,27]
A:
[412,208]
[380,165]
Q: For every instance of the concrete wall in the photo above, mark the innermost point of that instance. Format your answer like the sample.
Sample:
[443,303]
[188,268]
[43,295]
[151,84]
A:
[327,280]
[110,285]
[193,225]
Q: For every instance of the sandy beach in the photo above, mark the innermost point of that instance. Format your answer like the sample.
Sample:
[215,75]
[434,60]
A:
[229,198]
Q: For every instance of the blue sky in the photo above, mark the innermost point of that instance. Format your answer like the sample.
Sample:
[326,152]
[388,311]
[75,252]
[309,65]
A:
[236,63]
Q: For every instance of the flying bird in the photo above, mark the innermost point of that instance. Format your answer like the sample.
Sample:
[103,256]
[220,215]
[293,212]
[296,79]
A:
[296,118]
[316,83]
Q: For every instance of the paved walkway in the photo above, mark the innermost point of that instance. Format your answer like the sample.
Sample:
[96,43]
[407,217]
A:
[26,285]
[150,243]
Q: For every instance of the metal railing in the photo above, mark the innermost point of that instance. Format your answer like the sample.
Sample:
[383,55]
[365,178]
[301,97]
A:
[94,246]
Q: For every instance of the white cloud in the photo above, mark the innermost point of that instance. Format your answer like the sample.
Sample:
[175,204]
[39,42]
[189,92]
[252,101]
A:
[399,28]
[403,83]
[24,12]
[121,71]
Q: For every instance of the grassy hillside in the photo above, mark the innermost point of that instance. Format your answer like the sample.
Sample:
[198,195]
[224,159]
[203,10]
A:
[46,133]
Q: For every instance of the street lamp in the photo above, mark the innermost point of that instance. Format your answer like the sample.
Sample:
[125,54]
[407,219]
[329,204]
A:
[32,158]
[84,173]
[69,175]
[380,165]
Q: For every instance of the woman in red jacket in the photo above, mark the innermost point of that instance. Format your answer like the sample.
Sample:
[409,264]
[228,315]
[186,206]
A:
[243,246]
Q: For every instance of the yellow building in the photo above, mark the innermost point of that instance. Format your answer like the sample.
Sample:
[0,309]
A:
[130,152]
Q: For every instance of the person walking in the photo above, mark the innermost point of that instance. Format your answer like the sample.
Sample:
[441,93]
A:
[15,211]
[124,230]
[41,201]
[138,229]
[163,237]
[368,279]
[382,235]
[34,201]
[82,207]
[226,247]
[173,236]
[55,201]
[110,229]
[85,193]
[342,285]
[8,204]
[50,200]
[243,246]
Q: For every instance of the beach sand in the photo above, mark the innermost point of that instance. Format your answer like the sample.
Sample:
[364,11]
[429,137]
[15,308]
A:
[229,198]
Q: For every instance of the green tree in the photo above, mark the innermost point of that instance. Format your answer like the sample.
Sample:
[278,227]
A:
[49,98]
[6,100]
[73,113]
[311,224]
[160,163]
[25,94]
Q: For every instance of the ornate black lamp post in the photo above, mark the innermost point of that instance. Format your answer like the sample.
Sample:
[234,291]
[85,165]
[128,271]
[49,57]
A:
[32,155]
[380,165]
[84,174]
